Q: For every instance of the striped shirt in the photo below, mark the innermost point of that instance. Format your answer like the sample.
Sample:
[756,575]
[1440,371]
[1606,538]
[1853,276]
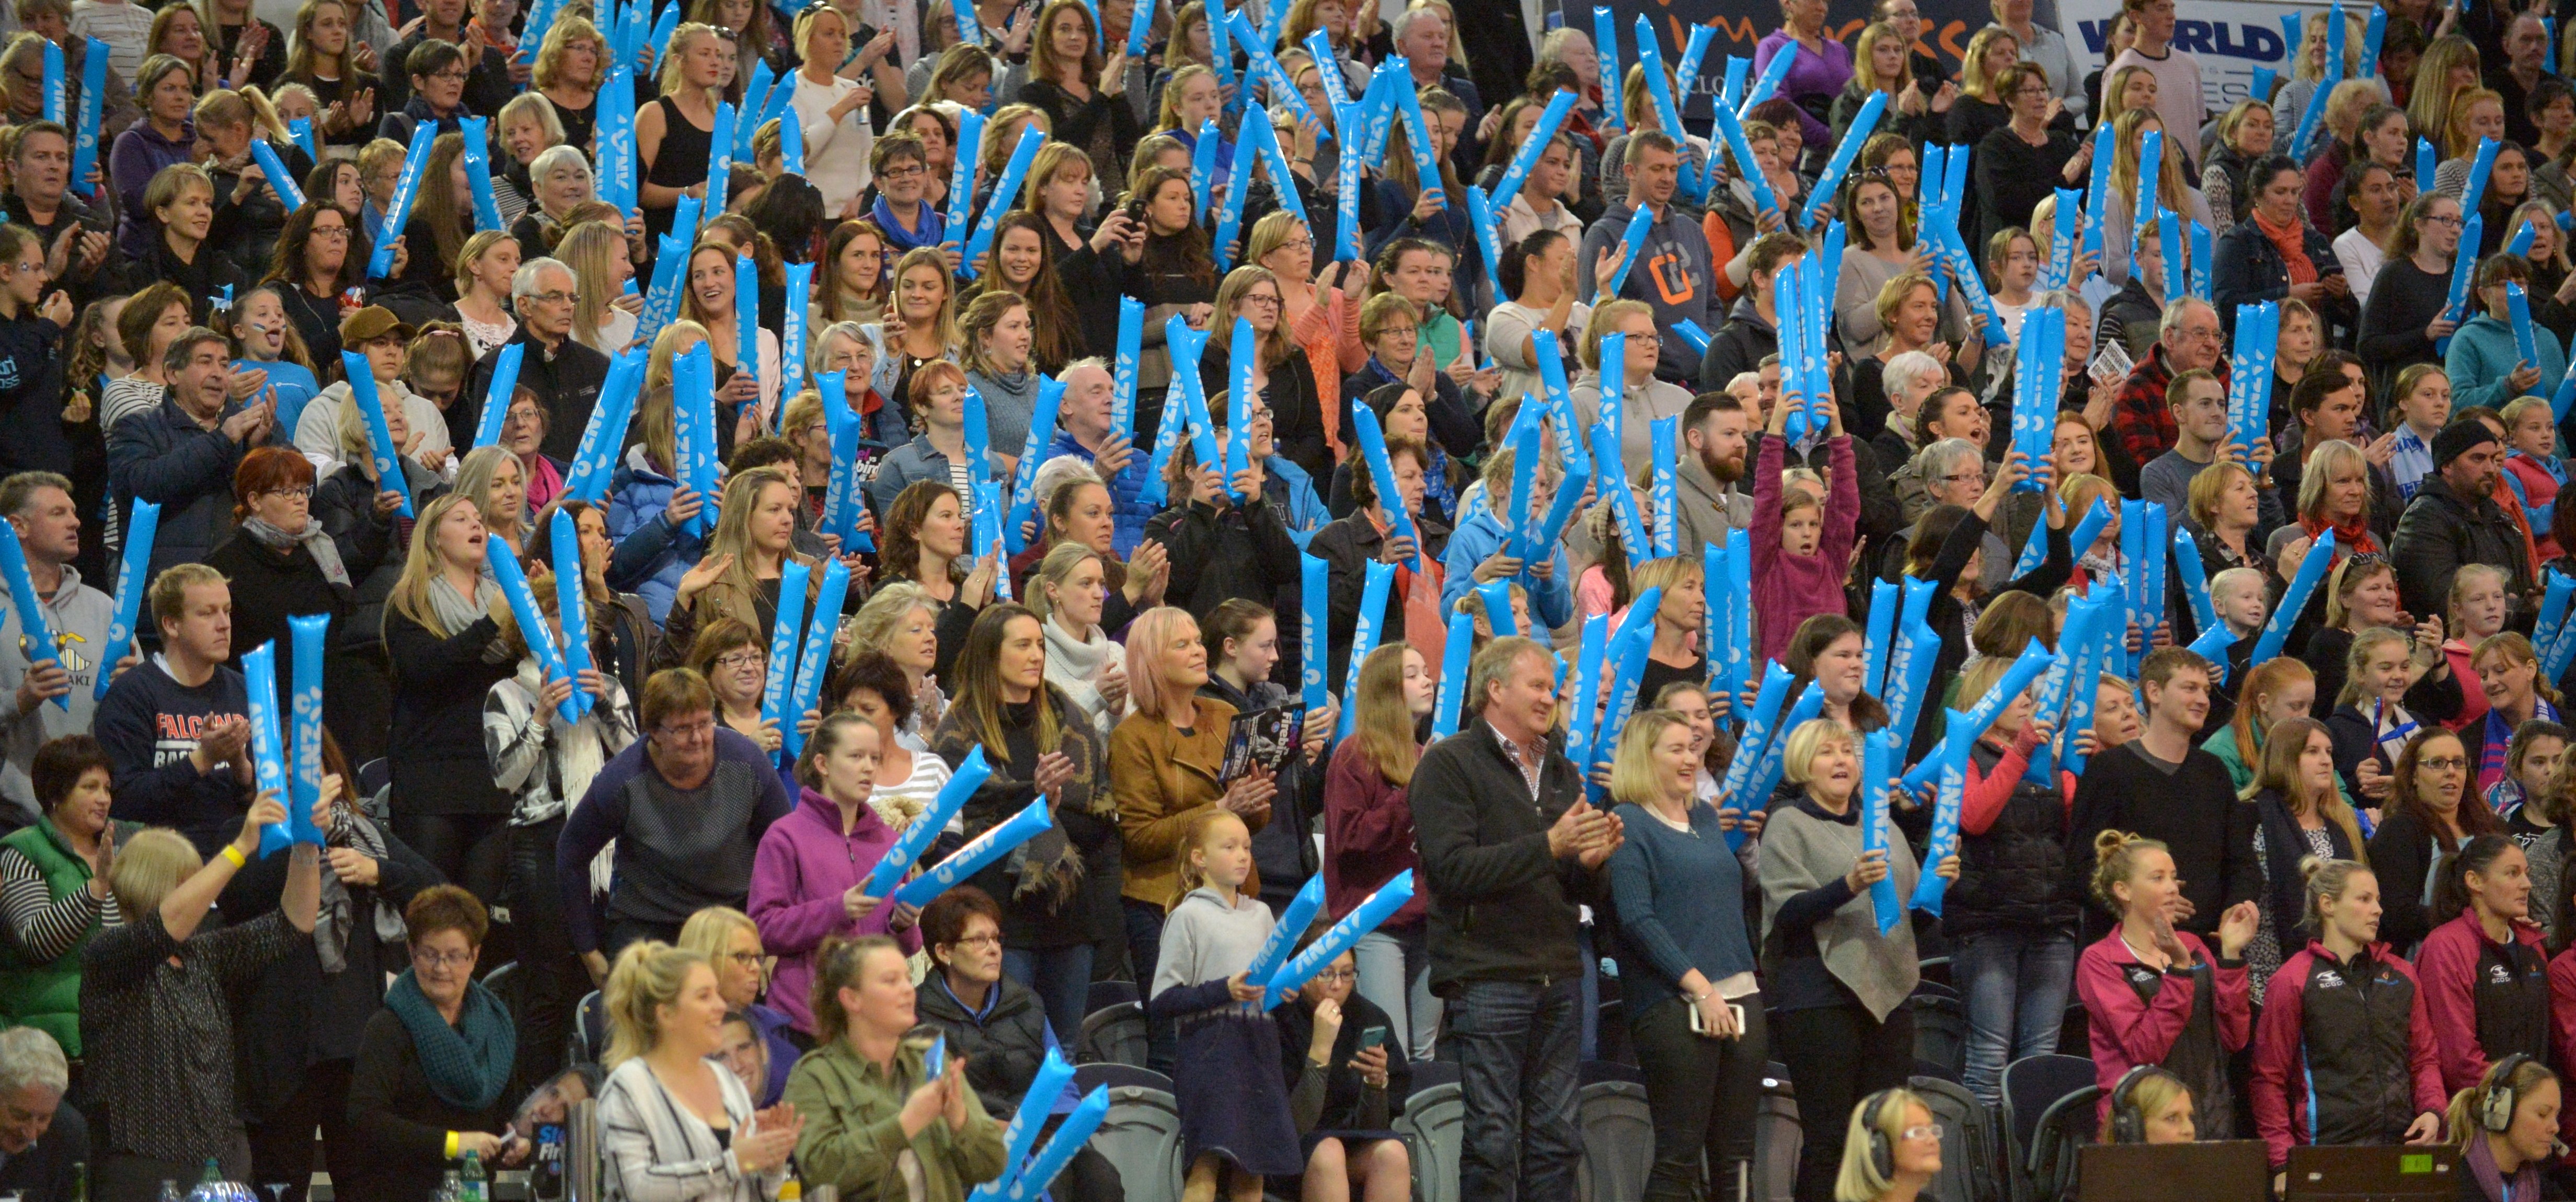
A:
[125,27]
[43,927]
[658,1150]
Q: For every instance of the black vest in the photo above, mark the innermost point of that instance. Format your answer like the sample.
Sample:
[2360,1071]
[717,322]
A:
[2015,873]
[2355,1039]
[2512,994]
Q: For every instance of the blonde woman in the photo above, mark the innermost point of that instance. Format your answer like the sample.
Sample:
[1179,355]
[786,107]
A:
[444,638]
[673,1124]
[683,118]
[1688,972]
[604,314]
[832,112]
[496,481]
[750,548]
[571,65]
[901,622]
[1815,884]
[1898,1121]
[483,270]
[1069,590]
[2171,189]
[2517,692]
[153,997]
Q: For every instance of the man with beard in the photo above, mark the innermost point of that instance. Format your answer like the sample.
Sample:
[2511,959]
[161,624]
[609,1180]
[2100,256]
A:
[1712,461]
[1752,329]
[2454,521]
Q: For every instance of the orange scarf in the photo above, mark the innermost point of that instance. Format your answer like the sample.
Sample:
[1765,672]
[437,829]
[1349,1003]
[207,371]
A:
[2292,242]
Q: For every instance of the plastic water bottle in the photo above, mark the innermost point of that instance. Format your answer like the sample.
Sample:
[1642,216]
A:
[169,1191]
[452,1188]
[475,1186]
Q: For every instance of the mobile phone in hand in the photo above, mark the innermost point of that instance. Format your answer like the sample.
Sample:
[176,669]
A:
[1372,1037]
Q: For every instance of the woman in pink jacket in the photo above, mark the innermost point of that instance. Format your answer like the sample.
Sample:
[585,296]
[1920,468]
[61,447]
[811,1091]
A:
[1801,549]
[2485,974]
[807,877]
[2154,994]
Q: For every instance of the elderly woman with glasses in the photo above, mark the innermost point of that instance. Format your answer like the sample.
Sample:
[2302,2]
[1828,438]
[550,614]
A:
[279,559]
[699,798]
[433,1077]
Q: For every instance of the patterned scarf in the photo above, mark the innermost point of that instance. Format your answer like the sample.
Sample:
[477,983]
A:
[468,1064]
[2492,757]
[2351,538]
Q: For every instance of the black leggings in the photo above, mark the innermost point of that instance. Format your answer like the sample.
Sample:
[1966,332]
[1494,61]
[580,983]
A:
[551,978]
[1838,1055]
[471,850]
[281,1148]
[1703,1094]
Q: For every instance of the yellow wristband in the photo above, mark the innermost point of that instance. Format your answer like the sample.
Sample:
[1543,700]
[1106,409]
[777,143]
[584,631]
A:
[234,854]
[451,1146]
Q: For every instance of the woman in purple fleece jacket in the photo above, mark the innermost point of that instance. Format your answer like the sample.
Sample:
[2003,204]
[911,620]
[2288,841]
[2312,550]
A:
[1801,550]
[805,880]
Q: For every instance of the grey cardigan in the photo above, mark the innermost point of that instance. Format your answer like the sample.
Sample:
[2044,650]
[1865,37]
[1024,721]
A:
[1801,852]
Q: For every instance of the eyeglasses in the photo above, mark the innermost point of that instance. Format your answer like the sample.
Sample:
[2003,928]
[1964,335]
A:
[976,941]
[1261,298]
[902,171]
[449,76]
[742,659]
[1926,1131]
[1338,976]
[429,959]
[745,959]
[551,298]
[2449,219]
[304,493]
[1963,477]
[328,231]
[700,729]
[2446,763]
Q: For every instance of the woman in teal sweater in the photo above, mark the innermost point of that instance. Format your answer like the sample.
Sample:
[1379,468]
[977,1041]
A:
[1687,967]
[2485,362]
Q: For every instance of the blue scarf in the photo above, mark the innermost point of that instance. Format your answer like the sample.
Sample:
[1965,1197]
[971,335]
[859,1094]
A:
[933,231]
[468,1065]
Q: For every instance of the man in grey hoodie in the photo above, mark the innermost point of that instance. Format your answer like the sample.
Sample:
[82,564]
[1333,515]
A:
[38,506]
[1673,272]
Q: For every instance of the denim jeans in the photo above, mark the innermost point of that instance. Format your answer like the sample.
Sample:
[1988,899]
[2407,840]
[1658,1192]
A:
[1703,1094]
[1062,978]
[1516,1047]
[1144,951]
[2013,982]
[1395,973]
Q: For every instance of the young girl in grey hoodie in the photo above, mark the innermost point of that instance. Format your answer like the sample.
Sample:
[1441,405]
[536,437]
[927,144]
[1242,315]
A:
[1234,1105]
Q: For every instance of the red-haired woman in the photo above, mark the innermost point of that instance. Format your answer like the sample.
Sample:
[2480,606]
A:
[279,559]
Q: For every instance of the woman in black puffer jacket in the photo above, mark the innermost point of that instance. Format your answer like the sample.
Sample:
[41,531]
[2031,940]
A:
[2011,916]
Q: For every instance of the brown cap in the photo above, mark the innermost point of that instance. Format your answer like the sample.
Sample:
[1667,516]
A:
[371,323]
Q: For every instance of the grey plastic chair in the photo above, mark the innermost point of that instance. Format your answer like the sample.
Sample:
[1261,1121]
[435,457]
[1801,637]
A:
[1618,1134]
[1777,1139]
[1434,1129]
[1113,1035]
[1141,1136]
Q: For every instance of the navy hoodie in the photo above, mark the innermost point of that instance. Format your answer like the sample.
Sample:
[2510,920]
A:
[31,398]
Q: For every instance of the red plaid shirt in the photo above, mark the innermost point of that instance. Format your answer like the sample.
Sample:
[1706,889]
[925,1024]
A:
[2140,417]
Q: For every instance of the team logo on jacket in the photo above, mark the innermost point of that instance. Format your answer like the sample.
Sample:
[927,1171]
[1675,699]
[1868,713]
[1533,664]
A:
[2140,974]
[2498,974]
[2329,979]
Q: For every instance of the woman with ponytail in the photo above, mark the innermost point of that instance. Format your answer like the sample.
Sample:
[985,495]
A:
[673,1124]
[2484,971]
[2506,1131]
[2155,994]
[2372,1074]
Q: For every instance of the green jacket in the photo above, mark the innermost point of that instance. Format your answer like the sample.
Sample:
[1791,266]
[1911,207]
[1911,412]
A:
[854,1129]
[46,995]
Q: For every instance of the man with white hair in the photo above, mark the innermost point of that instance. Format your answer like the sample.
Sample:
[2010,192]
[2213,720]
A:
[1086,428]
[43,1140]
[565,374]
[1422,38]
